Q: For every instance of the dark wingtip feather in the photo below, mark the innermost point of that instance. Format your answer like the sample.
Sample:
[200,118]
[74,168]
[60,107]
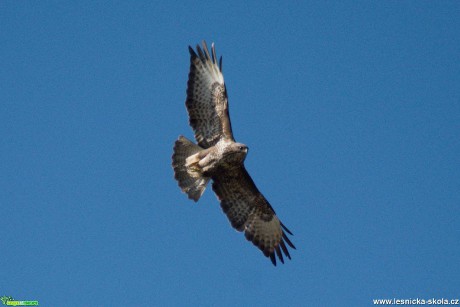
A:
[200,53]
[192,52]
[288,241]
[206,51]
[280,255]
[285,250]
[287,230]
[273,258]
[220,63]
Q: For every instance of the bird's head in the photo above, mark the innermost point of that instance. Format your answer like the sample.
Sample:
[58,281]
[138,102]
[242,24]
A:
[239,150]
[233,154]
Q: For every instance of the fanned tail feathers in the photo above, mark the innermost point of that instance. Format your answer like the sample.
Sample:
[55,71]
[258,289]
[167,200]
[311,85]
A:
[190,180]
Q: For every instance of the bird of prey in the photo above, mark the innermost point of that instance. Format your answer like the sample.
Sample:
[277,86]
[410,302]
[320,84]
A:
[218,157]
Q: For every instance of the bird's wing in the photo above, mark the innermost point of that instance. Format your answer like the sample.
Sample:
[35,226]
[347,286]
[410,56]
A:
[207,101]
[249,211]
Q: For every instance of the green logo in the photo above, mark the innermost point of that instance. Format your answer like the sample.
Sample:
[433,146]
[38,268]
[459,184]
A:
[8,300]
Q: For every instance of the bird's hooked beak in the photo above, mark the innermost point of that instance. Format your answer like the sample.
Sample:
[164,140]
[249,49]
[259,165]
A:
[244,148]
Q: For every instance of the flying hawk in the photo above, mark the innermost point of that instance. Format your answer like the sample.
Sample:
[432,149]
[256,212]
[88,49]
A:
[220,158]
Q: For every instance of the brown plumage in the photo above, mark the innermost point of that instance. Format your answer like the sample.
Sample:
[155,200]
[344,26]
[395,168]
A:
[218,157]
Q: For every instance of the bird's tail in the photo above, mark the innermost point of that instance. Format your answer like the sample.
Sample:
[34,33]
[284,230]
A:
[186,170]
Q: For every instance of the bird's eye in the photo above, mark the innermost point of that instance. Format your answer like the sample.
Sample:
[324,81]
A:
[242,148]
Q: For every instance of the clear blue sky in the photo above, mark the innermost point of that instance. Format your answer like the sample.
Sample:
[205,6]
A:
[351,111]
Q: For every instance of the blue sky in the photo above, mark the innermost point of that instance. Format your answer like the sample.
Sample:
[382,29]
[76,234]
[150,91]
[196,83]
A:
[351,111]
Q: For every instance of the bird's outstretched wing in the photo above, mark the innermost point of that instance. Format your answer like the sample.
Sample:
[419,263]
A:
[207,102]
[249,211]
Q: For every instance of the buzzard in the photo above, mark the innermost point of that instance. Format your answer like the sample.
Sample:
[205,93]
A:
[220,158]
